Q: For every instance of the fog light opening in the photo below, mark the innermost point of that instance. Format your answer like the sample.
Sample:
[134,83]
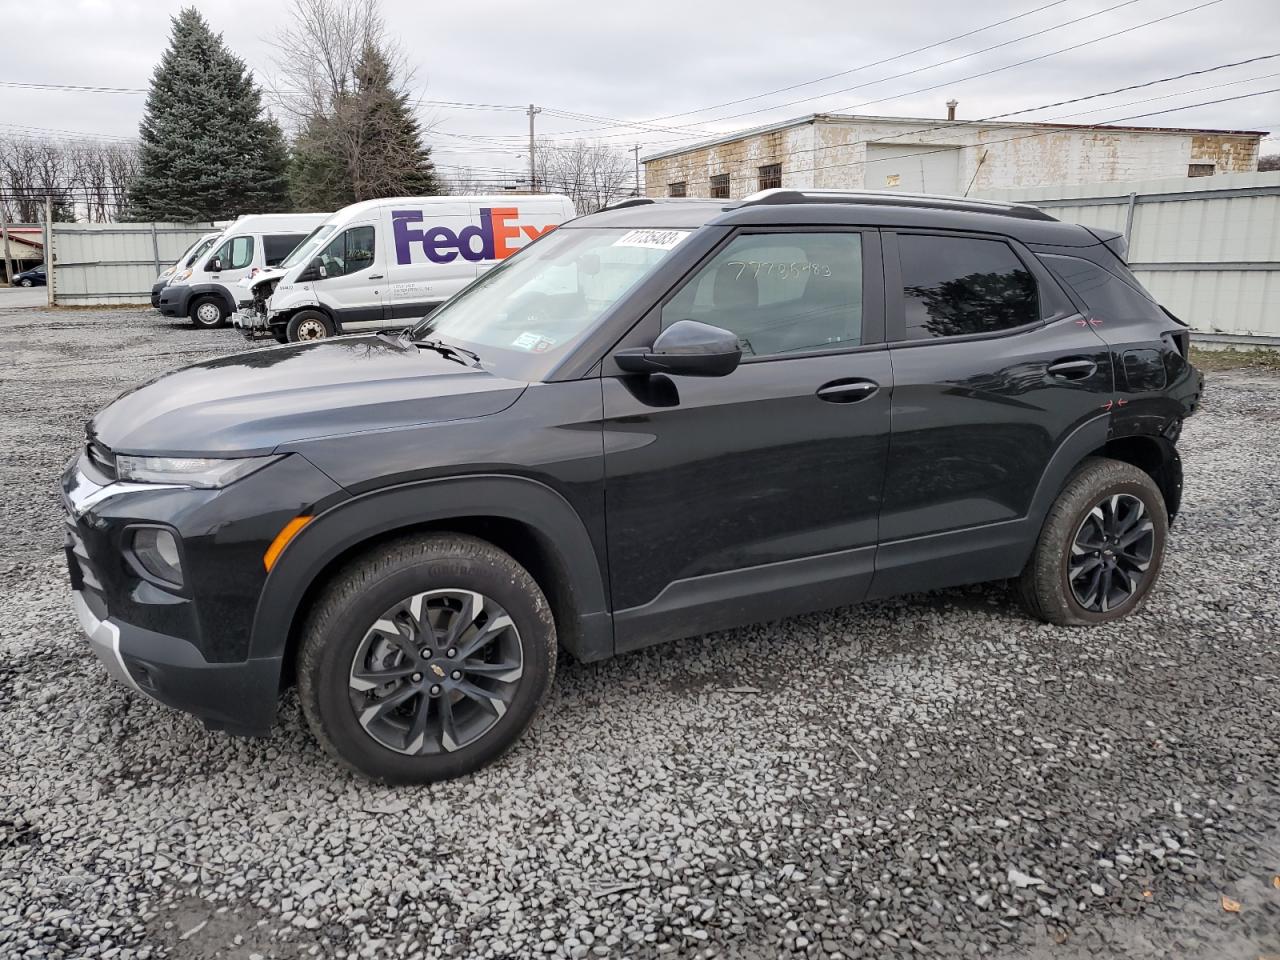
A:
[157,552]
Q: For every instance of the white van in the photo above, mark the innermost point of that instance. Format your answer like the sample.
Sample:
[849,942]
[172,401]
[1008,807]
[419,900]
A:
[252,243]
[187,259]
[386,263]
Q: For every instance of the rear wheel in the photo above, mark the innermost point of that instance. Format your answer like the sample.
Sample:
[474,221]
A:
[1101,548]
[427,659]
[309,325]
[208,313]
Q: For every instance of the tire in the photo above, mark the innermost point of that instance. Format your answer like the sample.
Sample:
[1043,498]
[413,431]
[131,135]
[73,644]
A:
[307,325]
[1096,530]
[341,639]
[24,283]
[281,334]
[209,313]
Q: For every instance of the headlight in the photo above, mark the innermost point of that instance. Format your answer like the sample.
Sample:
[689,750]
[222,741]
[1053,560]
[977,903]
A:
[188,471]
[167,273]
[156,551]
[185,275]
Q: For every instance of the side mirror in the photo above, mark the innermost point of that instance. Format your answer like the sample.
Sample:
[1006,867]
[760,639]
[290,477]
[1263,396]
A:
[686,348]
[315,271]
[216,266]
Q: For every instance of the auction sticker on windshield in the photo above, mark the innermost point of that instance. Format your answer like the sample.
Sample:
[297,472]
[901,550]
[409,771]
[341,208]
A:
[651,239]
[533,342]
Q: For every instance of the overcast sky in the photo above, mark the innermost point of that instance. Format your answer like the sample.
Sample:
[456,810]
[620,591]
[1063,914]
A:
[639,62]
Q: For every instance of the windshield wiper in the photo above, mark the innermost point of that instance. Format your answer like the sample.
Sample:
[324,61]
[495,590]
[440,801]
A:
[449,350]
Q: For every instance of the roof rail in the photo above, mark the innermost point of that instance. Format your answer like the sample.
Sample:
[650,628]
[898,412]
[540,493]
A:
[779,195]
[628,202]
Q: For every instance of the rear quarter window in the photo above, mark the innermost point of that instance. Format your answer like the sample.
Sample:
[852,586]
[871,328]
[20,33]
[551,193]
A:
[957,286]
[1107,296]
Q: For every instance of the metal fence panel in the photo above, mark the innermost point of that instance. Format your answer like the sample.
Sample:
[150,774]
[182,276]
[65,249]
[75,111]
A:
[1208,248]
[96,263]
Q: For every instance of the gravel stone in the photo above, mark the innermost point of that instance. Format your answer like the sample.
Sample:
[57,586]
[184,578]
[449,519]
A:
[935,775]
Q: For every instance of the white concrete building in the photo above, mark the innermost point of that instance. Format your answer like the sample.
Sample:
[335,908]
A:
[838,152]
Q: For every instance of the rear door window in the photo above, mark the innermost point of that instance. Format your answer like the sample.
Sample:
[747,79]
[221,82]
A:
[958,286]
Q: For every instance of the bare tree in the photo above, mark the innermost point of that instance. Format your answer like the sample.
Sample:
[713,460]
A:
[345,86]
[591,174]
[87,179]
[1269,162]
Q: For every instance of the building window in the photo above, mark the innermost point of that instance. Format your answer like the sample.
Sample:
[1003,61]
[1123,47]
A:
[720,186]
[1200,169]
[677,189]
[770,176]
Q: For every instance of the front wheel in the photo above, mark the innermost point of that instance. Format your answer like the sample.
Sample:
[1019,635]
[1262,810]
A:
[24,283]
[208,313]
[426,659]
[1101,547]
[309,325]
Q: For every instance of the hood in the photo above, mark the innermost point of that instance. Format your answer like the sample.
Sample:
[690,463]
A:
[250,403]
[262,276]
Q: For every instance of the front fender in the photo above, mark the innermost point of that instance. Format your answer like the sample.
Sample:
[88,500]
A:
[198,290]
[344,527]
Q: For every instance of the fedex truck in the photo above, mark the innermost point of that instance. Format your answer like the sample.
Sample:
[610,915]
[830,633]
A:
[387,263]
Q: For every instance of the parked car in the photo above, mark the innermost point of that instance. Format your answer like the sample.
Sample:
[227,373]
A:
[184,262]
[253,243]
[660,420]
[382,263]
[35,277]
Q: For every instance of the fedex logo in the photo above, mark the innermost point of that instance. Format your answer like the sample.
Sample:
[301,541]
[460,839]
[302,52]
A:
[491,240]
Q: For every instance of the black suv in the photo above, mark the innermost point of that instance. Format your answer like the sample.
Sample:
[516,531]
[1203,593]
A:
[656,421]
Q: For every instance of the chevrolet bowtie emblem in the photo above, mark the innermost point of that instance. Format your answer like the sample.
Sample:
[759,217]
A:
[437,670]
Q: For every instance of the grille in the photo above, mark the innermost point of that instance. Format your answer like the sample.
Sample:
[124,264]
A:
[103,460]
[83,575]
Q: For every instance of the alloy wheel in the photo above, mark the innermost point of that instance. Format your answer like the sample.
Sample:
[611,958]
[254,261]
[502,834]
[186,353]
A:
[436,672]
[1111,553]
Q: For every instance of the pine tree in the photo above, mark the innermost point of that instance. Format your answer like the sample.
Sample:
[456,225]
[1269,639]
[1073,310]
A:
[207,150]
[368,145]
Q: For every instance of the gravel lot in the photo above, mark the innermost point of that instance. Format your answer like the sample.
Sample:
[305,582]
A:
[934,776]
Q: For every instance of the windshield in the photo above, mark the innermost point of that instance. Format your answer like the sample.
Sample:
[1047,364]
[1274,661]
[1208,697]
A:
[307,248]
[200,247]
[539,302]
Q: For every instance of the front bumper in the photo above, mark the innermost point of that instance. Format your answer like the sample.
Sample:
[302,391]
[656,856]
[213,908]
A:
[189,647]
[172,301]
[155,293]
[238,698]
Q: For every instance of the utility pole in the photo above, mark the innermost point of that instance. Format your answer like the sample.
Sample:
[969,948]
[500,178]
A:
[48,245]
[533,177]
[636,151]
[4,241]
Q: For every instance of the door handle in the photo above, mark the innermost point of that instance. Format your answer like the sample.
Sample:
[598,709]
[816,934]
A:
[1073,369]
[847,391]
[376,276]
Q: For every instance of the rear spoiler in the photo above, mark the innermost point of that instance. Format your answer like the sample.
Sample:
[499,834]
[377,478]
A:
[1113,240]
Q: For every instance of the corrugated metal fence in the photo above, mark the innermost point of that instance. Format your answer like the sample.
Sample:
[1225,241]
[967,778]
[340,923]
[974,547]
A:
[1208,248]
[114,262]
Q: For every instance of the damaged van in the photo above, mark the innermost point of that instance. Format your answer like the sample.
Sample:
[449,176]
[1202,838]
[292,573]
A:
[386,263]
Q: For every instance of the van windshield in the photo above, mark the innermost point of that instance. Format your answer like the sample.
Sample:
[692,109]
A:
[308,247]
[200,247]
[538,303]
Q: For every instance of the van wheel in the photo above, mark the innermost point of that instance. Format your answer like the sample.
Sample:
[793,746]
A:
[208,313]
[281,335]
[1101,547]
[426,659]
[308,325]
